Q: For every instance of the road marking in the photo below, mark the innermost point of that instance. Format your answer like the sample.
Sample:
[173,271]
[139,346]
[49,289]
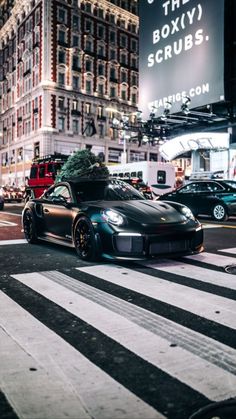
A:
[215,308]
[185,366]
[212,259]
[230,250]
[7,224]
[16,241]
[205,226]
[198,273]
[66,384]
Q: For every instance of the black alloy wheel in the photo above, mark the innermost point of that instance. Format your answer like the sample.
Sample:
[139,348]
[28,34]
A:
[29,227]
[219,212]
[84,240]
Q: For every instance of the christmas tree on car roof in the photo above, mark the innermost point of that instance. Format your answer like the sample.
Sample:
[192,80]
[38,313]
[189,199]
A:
[83,164]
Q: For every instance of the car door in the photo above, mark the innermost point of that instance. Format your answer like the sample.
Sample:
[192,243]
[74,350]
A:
[187,195]
[57,214]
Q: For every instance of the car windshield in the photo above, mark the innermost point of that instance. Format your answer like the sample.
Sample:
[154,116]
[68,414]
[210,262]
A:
[106,190]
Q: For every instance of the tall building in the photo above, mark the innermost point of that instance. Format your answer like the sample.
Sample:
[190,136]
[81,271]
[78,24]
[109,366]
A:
[65,65]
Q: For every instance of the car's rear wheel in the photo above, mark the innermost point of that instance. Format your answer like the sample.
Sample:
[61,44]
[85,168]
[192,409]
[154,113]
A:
[85,241]
[29,227]
[219,212]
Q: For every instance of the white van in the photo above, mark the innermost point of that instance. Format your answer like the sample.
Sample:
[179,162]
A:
[159,176]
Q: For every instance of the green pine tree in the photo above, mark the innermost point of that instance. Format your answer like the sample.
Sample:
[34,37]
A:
[83,163]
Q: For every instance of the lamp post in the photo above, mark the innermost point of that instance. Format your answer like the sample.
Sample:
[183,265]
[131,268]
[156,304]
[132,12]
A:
[122,125]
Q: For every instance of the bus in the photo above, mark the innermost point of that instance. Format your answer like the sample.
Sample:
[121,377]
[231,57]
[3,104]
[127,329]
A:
[159,176]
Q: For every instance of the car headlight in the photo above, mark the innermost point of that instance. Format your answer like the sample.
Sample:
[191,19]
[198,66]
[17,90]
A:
[113,217]
[187,213]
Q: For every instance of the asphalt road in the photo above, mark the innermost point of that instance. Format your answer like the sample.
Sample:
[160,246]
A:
[154,339]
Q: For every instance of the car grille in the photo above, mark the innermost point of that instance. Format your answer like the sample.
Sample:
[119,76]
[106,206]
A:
[169,247]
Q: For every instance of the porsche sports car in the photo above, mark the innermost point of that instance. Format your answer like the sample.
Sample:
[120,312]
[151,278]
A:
[109,218]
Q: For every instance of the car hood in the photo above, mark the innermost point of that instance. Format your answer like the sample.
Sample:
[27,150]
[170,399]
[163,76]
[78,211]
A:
[145,211]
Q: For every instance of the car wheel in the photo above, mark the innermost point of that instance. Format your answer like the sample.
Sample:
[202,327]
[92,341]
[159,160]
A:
[29,227]
[219,212]
[85,240]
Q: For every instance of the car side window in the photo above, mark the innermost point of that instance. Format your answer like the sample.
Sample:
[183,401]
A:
[214,187]
[60,191]
[190,188]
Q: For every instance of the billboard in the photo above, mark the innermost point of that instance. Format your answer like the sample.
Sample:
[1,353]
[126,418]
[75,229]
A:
[181,53]
[195,141]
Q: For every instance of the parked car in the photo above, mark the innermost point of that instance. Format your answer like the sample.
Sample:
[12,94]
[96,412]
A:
[12,193]
[216,198]
[110,218]
[1,198]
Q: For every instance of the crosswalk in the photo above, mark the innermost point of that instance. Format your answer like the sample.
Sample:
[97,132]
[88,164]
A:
[150,339]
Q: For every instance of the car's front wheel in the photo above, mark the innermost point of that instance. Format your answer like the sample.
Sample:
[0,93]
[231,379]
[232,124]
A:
[29,227]
[85,241]
[219,212]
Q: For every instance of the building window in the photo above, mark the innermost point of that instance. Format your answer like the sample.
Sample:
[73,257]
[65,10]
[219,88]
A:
[123,41]
[89,26]
[123,95]
[101,89]
[75,22]
[61,79]
[101,31]
[101,130]
[75,41]
[61,101]
[61,123]
[75,126]
[101,51]
[112,54]
[75,105]
[134,62]
[134,98]
[113,37]
[75,63]
[101,13]
[88,45]
[88,86]
[101,70]
[87,108]
[112,92]
[113,74]
[61,14]
[134,45]
[88,65]
[112,18]
[123,59]
[123,77]
[88,7]
[62,36]
[75,82]
[61,57]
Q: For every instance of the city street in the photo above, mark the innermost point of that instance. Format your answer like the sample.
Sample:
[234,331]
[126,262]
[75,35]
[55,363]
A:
[147,339]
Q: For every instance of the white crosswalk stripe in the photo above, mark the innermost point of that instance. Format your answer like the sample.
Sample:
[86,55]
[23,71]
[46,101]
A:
[41,364]
[196,301]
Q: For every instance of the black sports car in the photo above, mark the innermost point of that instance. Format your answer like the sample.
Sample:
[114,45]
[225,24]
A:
[109,218]
[216,198]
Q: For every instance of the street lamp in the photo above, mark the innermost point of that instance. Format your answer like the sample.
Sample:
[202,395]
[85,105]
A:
[122,125]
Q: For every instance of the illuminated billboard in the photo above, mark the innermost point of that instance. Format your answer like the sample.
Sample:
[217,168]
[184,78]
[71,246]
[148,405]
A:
[181,53]
[195,141]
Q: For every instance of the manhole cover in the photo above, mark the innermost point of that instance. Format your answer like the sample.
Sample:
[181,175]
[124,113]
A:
[230,269]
